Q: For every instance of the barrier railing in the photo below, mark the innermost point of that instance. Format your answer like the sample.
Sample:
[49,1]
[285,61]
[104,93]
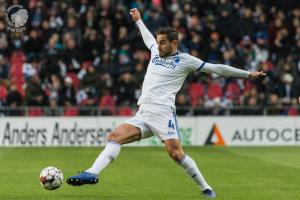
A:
[129,111]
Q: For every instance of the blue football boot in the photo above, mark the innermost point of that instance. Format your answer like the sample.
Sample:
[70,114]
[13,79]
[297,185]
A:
[83,178]
[209,194]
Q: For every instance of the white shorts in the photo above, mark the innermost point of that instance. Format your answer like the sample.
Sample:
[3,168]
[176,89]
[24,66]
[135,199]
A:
[156,119]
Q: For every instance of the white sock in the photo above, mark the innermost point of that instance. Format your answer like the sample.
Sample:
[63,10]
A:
[110,152]
[190,167]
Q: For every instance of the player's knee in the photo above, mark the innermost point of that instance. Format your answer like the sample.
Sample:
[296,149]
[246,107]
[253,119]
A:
[113,136]
[176,155]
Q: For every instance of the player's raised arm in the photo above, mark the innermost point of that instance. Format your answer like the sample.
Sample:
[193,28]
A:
[228,71]
[147,36]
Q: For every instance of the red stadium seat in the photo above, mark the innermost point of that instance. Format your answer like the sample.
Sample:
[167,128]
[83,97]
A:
[18,57]
[214,90]
[232,90]
[107,103]
[196,90]
[35,112]
[71,111]
[3,92]
[292,111]
[17,60]
[125,111]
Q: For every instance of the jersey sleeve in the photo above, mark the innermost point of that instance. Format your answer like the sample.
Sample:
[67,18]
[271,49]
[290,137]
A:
[225,70]
[195,64]
[154,49]
[147,36]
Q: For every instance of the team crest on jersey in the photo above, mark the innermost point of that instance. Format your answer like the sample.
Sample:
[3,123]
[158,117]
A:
[165,63]
[176,59]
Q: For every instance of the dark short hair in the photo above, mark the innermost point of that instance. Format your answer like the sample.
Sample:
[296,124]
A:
[172,33]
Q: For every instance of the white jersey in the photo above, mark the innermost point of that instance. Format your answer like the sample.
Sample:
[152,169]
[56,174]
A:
[165,77]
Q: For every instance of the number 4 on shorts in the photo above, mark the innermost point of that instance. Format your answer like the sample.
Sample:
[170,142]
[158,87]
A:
[171,124]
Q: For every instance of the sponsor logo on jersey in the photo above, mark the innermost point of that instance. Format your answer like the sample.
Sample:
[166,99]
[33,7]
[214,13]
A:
[164,62]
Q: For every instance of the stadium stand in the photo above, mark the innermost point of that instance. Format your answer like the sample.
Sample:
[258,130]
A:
[88,53]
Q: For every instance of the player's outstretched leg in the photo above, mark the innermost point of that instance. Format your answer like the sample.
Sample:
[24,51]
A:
[174,149]
[90,176]
[190,167]
[123,134]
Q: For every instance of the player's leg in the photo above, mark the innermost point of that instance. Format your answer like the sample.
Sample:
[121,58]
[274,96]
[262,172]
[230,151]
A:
[165,126]
[174,149]
[123,134]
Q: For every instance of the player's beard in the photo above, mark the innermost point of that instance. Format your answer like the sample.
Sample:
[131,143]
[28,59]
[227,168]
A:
[162,55]
[167,52]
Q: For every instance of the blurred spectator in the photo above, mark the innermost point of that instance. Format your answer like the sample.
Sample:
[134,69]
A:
[33,46]
[13,101]
[89,105]
[92,46]
[68,92]
[107,103]
[287,89]
[71,56]
[106,81]
[73,29]
[253,106]
[125,90]
[89,80]
[4,67]
[35,95]
[88,17]
[53,109]
[4,43]
[247,21]
[227,24]
[154,19]
[14,98]
[200,108]
[96,54]
[51,54]
[275,107]
[183,104]
[107,65]
[124,59]
[139,73]
[55,89]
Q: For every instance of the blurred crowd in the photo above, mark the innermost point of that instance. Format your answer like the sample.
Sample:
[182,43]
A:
[90,53]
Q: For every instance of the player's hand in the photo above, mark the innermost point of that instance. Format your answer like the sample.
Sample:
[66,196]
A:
[256,74]
[135,14]
[298,99]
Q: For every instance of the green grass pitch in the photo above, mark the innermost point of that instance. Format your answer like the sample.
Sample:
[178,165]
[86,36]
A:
[236,173]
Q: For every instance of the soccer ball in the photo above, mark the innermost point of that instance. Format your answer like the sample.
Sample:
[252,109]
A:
[51,178]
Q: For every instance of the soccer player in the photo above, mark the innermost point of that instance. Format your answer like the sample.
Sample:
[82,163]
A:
[165,75]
